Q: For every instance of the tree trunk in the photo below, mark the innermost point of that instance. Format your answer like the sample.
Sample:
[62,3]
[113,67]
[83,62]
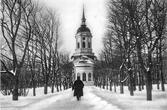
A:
[121,88]
[157,79]
[100,83]
[45,88]
[16,84]
[103,83]
[161,67]
[60,84]
[142,84]
[115,89]
[15,93]
[131,84]
[139,80]
[162,81]
[52,90]
[57,85]
[34,88]
[157,67]
[107,83]
[46,85]
[121,83]
[53,84]
[110,85]
[34,91]
[149,86]
[149,78]
[130,77]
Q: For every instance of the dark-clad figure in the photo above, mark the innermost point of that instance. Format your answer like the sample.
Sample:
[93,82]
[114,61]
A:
[78,88]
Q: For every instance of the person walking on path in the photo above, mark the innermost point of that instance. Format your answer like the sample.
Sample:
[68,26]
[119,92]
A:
[78,88]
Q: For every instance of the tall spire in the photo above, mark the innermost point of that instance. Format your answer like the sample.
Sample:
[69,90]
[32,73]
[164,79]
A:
[83,16]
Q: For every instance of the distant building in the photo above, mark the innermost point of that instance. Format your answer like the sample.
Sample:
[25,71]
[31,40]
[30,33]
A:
[83,58]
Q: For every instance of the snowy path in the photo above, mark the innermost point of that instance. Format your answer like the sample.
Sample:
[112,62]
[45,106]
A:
[66,101]
[94,99]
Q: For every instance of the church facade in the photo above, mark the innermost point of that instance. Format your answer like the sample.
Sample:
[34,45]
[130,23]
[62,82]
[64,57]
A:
[84,58]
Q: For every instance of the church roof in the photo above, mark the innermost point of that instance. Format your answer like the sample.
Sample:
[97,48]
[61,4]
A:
[84,60]
[83,27]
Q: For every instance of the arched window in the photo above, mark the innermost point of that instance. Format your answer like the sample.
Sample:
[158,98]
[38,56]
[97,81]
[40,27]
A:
[89,45]
[84,76]
[78,45]
[89,77]
[83,44]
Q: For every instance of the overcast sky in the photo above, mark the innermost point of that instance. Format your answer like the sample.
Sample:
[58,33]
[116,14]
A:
[70,12]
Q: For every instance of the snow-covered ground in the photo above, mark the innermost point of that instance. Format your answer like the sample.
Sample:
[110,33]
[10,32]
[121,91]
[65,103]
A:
[94,99]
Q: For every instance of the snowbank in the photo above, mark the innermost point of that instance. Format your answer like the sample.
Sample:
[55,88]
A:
[136,102]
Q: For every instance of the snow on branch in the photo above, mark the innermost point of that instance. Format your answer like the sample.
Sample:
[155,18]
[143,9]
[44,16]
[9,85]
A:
[147,68]
[125,79]
[121,66]
[13,72]
[129,69]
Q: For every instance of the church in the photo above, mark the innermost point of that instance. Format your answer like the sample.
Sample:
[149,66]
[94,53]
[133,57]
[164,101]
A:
[84,58]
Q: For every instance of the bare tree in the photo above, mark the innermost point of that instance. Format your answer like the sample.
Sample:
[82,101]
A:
[16,30]
[137,28]
[151,35]
[47,31]
[118,26]
[159,15]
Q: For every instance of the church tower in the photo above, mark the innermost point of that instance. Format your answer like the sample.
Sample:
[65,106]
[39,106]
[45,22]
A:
[83,58]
